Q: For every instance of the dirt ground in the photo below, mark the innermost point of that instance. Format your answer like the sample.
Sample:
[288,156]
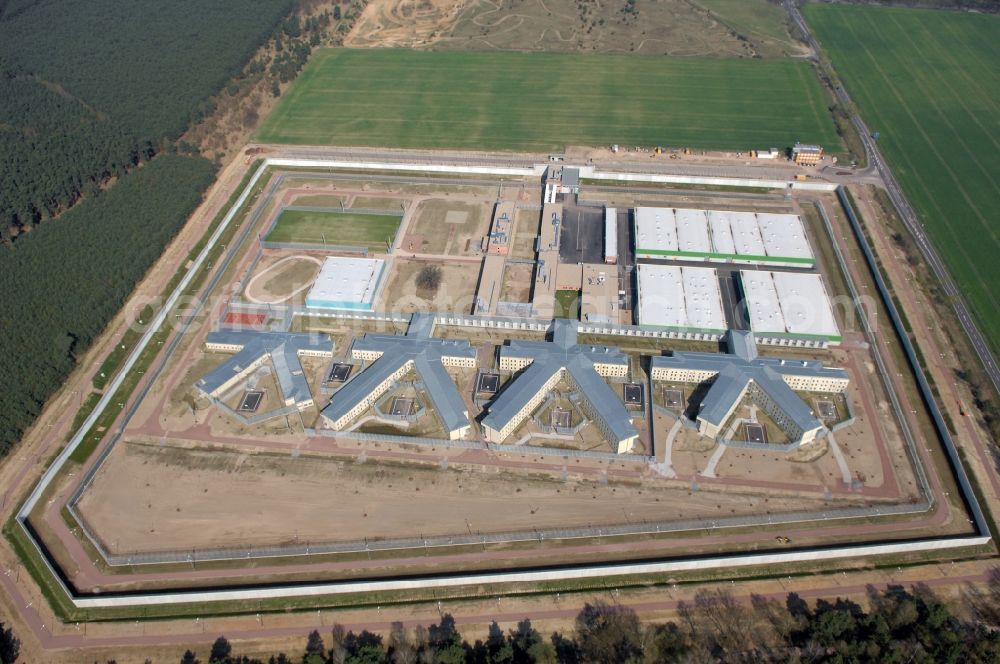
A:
[403,23]
[152,498]
[455,294]
[525,234]
[657,27]
[517,279]
[447,226]
[277,278]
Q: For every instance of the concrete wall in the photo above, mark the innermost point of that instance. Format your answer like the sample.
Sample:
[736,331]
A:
[590,173]
[534,576]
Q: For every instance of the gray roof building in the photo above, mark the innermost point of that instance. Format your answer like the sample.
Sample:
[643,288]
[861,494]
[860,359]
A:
[425,353]
[253,347]
[547,359]
[741,369]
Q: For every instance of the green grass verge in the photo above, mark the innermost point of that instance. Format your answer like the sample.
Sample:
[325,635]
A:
[107,417]
[674,186]
[545,101]
[123,348]
[568,304]
[374,231]
[927,81]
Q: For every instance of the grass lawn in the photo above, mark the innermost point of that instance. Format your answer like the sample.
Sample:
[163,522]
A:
[928,81]
[568,304]
[374,231]
[545,101]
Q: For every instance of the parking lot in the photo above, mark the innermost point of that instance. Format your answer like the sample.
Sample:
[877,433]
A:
[581,238]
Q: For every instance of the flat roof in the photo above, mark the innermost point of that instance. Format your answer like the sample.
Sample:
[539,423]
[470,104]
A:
[790,303]
[783,235]
[680,297]
[655,229]
[346,283]
[610,232]
[721,235]
[761,299]
[722,232]
[746,234]
[692,231]
[805,304]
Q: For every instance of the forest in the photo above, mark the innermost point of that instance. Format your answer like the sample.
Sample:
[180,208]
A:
[896,626]
[94,99]
[63,281]
[90,89]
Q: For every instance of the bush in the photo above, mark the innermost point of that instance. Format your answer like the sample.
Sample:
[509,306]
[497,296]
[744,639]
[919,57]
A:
[429,278]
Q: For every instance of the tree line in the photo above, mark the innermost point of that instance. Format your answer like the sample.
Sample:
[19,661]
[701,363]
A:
[62,282]
[896,626]
[899,625]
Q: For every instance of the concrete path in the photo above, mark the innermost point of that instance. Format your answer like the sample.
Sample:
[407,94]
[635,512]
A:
[845,472]
[666,467]
[714,461]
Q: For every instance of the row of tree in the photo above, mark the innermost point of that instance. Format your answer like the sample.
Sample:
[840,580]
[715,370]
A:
[63,281]
[911,626]
[898,626]
[90,90]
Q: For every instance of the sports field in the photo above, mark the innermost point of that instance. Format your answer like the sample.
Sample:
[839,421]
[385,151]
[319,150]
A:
[374,231]
[545,101]
[929,82]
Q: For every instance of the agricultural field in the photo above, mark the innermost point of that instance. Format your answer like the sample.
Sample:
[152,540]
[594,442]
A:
[937,123]
[374,231]
[494,101]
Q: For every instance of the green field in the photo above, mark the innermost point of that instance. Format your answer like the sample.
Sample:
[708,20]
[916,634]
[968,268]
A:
[545,101]
[929,82]
[355,229]
[568,304]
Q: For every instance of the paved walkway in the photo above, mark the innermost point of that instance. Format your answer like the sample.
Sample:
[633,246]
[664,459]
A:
[845,472]
[714,461]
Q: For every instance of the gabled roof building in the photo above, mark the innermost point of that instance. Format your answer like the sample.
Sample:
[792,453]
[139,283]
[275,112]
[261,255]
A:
[543,364]
[392,357]
[769,382]
[251,349]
